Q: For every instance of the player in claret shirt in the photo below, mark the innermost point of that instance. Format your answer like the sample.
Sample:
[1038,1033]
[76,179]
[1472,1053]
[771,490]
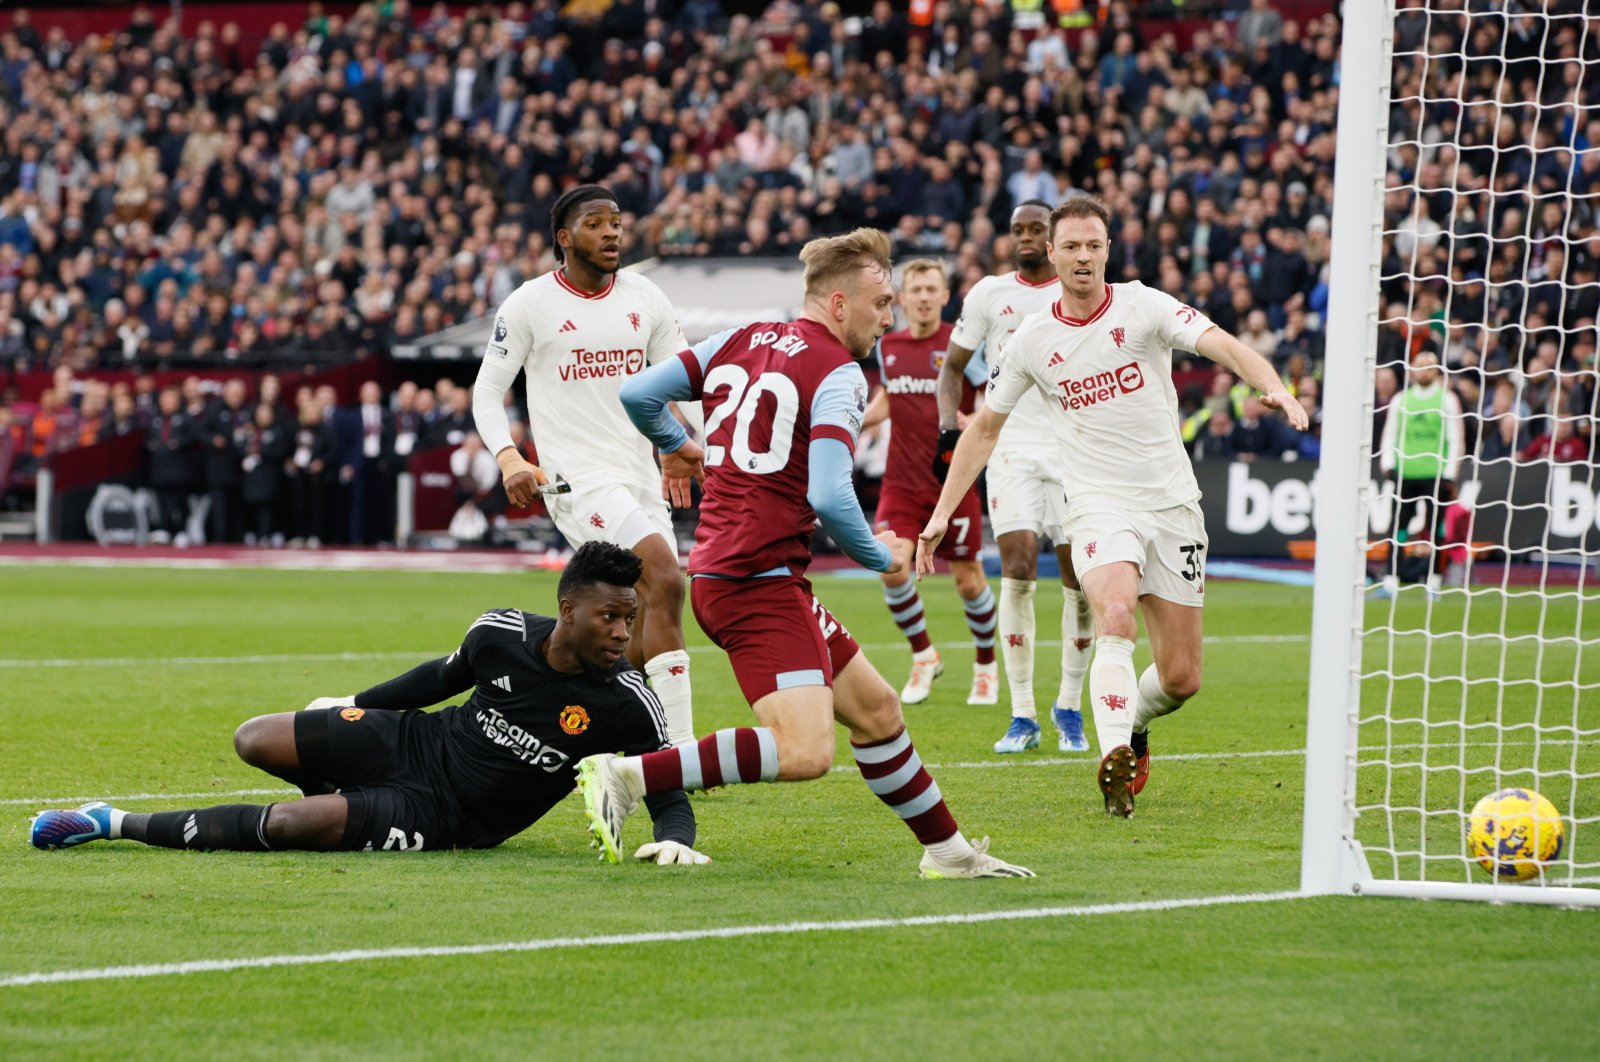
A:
[783,404]
[910,362]
[379,775]
[1101,359]
[578,332]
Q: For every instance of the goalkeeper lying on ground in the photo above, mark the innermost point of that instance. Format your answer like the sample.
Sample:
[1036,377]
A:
[378,775]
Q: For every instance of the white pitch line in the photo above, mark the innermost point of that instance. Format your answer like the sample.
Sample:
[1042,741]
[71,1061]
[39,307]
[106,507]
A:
[1005,764]
[168,969]
[424,654]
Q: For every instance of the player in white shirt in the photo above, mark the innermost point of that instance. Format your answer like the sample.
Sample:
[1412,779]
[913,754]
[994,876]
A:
[1102,360]
[579,333]
[1026,495]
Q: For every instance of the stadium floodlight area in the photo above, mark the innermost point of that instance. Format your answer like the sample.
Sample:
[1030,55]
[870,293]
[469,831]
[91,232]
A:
[1462,223]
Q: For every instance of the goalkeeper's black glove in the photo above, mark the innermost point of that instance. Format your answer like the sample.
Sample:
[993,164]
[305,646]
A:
[948,437]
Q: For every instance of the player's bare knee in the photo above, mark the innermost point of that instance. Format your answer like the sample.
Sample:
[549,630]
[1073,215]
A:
[969,581]
[1183,683]
[1117,620]
[1019,566]
[315,823]
[804,756]
[251,741]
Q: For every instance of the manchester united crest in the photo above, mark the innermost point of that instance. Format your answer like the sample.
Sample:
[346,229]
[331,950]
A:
[351,714]
[573,719]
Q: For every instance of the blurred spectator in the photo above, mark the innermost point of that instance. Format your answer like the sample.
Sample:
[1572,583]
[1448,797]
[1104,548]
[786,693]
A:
[306,474]
[1256,434]
[1566,444]
[478,492]
[1217,439]
[224,429]
[266,446]
[170,440]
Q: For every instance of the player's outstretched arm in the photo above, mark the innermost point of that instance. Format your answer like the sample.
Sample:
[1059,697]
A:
[423,686]
[971,454]
[648,399]
[947,393]
[1221,347]
[832,494]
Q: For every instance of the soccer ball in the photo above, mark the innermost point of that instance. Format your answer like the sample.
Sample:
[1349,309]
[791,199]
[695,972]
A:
[1514,834]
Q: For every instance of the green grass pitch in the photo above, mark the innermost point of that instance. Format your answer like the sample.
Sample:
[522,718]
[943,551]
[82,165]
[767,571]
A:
[129,682]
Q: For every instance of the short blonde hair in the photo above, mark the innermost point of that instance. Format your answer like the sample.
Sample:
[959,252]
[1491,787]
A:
[833,260]
[924,265]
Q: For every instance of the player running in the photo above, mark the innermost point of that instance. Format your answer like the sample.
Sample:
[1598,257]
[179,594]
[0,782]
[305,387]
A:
[578,332]
[910,363]
[783,404]
[546,692]
[1026,494]
[1102,360]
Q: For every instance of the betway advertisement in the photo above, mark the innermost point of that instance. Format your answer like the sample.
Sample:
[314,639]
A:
[1256,509]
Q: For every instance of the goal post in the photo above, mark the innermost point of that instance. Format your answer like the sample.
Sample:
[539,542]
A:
[1427,694]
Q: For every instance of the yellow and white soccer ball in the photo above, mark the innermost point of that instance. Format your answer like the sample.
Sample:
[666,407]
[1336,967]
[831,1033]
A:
[1514,834]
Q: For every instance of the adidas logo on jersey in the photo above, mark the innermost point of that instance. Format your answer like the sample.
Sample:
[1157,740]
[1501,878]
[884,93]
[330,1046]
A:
[568,327]
[1006,311]
[1056,358]
[503,682]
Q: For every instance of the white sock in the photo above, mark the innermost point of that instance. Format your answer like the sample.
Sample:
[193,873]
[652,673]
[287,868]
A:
[1113,688]
[1077,644]
[1154,702]
[950,849]
[631,770]
[116,823]
[1016,642]
[669,677]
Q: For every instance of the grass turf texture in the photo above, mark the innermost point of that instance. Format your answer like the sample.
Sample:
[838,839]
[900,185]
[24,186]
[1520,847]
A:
[1312,978]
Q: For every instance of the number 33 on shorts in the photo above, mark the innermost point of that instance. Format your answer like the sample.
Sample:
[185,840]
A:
[1192,564]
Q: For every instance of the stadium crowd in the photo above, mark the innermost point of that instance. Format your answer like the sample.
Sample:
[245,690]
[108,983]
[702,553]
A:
[172,197]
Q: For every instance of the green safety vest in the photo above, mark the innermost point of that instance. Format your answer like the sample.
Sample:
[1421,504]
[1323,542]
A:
[1419,434]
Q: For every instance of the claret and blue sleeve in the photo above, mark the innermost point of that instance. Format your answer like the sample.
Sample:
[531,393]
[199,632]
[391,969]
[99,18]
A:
[645,397]
[836,413]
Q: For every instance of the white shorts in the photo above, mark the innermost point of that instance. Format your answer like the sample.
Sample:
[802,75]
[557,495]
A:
[623,514]
[1026,494]
[1168,545]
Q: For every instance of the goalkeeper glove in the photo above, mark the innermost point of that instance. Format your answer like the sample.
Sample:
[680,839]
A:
[331,702]
[948,437]
[667,853]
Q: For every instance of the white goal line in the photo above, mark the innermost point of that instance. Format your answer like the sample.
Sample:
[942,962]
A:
[424,654]
[854,925]
[841,769]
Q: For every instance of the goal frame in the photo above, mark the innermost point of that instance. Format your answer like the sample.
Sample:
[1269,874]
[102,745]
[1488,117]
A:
[1332,861]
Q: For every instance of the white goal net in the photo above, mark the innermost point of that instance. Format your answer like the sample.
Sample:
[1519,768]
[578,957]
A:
[1456,649]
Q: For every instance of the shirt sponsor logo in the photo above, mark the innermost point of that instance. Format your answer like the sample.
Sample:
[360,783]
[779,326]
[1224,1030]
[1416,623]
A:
[584,364]
[910,385]
[520,743]
[497,351]
[1086,391]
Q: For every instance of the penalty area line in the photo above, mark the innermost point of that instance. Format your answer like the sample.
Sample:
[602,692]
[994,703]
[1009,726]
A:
[172,969]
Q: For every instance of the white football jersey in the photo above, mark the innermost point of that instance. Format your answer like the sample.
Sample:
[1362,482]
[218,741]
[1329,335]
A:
[577,350]
[992,311]
[1107,383]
